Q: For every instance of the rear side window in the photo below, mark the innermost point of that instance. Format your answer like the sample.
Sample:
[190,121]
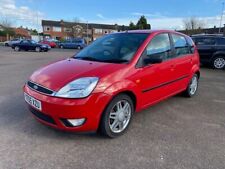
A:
[181,46]
[205,41]
[160,45]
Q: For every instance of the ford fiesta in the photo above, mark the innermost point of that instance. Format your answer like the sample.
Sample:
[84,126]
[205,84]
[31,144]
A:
[118,74]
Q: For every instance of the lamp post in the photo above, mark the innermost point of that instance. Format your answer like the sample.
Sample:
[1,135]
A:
[87,33]
[221,17]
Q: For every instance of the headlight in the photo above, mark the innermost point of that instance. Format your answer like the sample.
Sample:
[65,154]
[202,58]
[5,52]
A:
[79,88]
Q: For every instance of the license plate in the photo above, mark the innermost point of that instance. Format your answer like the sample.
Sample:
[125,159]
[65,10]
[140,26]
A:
[32,101]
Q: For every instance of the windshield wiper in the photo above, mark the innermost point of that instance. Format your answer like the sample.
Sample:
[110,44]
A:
[116,60]
[87,58]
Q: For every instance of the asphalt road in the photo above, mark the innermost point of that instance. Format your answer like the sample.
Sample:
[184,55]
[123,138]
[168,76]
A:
[175,134]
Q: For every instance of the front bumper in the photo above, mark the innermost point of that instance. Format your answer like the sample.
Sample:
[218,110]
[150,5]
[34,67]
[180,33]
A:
[56,110]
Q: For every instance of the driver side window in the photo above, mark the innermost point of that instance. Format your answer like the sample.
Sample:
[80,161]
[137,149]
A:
[24,42]
[160,46]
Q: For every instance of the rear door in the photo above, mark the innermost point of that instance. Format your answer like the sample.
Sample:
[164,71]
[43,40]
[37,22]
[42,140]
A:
[183,61]
[206,47]
[220,44]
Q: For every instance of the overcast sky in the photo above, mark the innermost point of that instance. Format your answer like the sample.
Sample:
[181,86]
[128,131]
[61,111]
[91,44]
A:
[161,14]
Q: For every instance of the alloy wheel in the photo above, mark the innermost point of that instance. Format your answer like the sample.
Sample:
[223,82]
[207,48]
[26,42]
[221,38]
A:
[38,49]
[120,116]
[17,48]
[219,63]
[193,85]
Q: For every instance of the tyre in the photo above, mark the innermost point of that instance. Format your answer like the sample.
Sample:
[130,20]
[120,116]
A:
[37,49]
[117,116]
[6,44]
[61,46]
[79,47]
[192,86]
[218,62]
[17,48]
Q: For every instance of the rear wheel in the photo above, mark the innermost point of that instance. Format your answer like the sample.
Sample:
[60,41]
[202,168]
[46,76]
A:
[61,46]
[37,49]
[6,44]
[17,48]
[192,86]
[117,116]
[218,62]
[79,47]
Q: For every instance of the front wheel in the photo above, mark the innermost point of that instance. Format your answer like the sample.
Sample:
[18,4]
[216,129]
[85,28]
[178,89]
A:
[17,48]
[117,116]
[37,49]
[219,62]
[192,86]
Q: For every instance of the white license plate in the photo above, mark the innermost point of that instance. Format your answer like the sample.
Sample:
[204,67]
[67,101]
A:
[32,101]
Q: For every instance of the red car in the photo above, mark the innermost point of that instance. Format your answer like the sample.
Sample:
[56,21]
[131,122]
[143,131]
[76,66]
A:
[118,74]
[50,43]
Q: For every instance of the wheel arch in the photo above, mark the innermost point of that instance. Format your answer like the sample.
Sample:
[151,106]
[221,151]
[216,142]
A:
[129,93]
[219,53]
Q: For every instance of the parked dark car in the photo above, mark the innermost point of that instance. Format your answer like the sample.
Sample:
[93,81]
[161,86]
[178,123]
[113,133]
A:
[211,49]
[73,44]
[30,45]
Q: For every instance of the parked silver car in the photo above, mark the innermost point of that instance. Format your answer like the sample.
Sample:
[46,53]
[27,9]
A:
[13,41]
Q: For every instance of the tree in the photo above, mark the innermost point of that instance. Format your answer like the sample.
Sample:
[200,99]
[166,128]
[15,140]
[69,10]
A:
[193,23]
[8,31]
[141,24]
[132,26]
[5,23]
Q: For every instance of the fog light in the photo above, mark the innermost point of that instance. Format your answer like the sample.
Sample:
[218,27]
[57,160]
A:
[76,122]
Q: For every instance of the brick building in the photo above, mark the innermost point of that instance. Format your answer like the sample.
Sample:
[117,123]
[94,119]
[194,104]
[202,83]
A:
[65,30]
[22,32]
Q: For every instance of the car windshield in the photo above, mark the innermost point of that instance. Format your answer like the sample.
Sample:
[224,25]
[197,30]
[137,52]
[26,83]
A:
[33,42]
[113,48]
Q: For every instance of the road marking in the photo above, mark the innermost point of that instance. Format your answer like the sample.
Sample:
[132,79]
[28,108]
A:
[219,101]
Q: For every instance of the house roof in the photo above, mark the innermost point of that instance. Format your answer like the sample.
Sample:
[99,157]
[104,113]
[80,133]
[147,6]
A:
[90,25]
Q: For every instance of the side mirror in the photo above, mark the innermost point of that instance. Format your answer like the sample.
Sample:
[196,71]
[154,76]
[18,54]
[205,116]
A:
[152,59]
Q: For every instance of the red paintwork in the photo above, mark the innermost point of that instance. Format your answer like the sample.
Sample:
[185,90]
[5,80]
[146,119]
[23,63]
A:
[114,79]
[52,44]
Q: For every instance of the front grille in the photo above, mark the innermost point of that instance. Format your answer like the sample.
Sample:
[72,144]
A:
[39,88]
[42,116]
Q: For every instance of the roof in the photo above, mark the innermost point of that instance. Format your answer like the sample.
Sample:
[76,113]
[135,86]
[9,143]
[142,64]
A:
[153,31]
[207,35]
[90,25]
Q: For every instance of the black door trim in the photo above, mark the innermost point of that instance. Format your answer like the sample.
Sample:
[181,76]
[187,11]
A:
[164,84]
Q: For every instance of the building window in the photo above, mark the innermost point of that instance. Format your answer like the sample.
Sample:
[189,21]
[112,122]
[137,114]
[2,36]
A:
[46,28]
[67,29]
[113,31]
[56,29]
[98,31]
